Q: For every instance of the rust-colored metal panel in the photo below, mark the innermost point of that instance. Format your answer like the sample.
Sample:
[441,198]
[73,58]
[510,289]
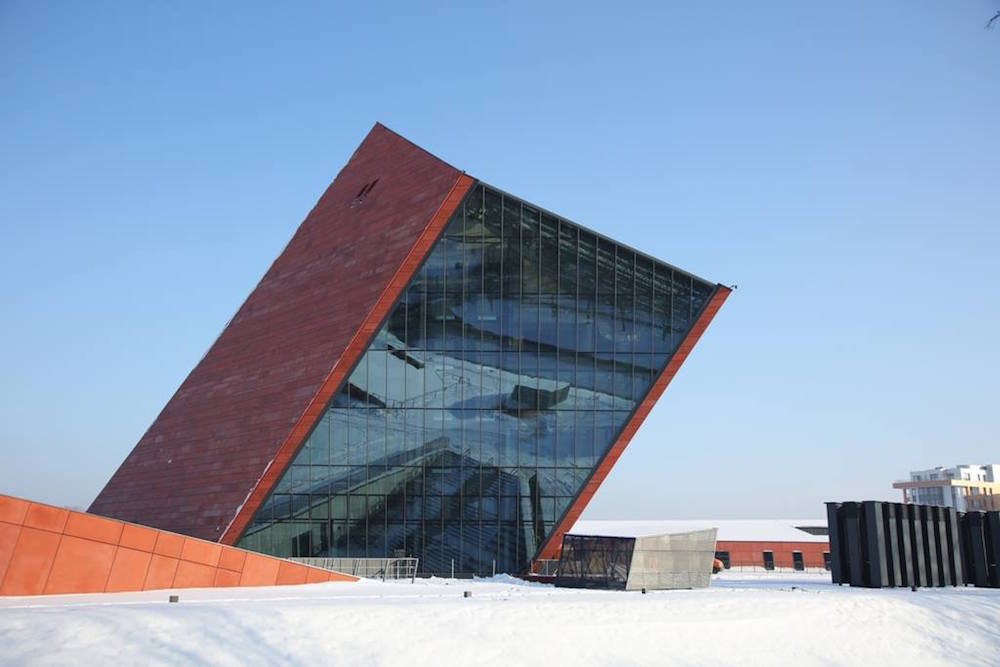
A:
[194,575]
[202,552]
[238,418]
[13,510]
[81,566]
[32,560]
[46,517]
[290,573]
[259,571]
[161,573]
[137,537]
[128,572]
[551,547]
[169,545]
[226,578]
[232,559]
[64,551]
[314,576]
[97,528]
[8,539]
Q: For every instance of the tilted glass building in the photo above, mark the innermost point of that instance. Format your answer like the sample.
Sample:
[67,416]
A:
[452,380]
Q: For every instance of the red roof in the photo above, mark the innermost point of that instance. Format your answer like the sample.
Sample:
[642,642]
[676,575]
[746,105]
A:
[212,454]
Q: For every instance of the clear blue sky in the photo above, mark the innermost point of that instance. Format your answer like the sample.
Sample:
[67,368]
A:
[840,162]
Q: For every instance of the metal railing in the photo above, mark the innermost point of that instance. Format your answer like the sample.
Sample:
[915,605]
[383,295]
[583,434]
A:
[545,567]
[369,568]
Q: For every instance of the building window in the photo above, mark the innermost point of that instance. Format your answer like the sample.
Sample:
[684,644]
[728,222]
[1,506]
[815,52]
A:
[797,562]
[768,560]
[724,557]
[826,561]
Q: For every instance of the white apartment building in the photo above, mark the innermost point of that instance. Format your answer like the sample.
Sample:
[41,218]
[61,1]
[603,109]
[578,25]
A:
[964,487]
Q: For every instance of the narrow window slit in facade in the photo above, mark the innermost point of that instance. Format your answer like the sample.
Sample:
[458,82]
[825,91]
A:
[364,192]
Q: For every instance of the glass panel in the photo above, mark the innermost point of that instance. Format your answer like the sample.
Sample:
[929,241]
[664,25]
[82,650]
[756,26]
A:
[549,252]
[681,308]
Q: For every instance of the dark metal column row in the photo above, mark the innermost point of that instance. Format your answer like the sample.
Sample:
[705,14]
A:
[884,545]
[980,537]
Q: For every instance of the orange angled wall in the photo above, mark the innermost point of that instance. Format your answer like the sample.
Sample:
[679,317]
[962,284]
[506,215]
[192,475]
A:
[49,550]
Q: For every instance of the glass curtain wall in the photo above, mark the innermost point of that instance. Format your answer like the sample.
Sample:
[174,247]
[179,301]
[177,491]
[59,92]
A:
[503,375]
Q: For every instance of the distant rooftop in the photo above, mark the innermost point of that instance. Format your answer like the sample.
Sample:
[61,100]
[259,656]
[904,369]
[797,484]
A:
[730,530]
[989,472]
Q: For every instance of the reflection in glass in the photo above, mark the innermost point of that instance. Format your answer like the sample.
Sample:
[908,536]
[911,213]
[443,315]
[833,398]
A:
[505,372]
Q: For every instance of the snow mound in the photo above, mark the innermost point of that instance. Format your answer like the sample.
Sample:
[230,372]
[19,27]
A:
[745,619]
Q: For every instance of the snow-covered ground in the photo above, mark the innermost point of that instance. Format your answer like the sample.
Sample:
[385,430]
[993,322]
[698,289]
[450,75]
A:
[742,619]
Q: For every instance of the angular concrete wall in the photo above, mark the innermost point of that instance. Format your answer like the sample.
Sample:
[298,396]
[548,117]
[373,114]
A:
[49,550]
[681,560]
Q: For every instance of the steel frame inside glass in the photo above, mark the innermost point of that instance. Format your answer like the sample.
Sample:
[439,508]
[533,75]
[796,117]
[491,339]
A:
[506,370]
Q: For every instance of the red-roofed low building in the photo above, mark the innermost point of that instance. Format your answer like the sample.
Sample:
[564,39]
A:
[756,544]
